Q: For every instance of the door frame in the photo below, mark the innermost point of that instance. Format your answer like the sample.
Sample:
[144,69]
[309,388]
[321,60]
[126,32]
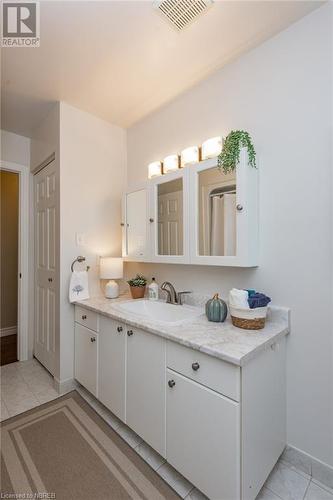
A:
[23,256]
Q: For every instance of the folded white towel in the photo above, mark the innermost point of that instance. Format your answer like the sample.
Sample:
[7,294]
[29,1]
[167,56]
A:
[239,298]
[78,287]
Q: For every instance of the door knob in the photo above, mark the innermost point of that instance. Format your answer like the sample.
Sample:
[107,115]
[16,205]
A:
[92,339]
[129,332]
[195,366]
[171,383]
[84,316]
[151,219]
[239,207]
[119,329]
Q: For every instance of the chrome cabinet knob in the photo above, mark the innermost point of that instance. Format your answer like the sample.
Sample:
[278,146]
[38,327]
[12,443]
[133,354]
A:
[84,316]
[239,207]
[119,329]
[195,366]
[92,339]
[171,383]
[129,332]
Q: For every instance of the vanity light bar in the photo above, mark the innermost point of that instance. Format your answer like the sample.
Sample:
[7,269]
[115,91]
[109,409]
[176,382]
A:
[154,169]
[211,148]
[170,163]
[189,156]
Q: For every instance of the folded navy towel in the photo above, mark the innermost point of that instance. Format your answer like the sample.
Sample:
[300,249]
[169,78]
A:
[258,300]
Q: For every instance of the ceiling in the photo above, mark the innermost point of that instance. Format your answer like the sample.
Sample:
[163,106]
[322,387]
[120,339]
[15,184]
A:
[121,60]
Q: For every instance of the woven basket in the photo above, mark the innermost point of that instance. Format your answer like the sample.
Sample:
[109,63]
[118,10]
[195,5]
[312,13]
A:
[249,324]
[249,319]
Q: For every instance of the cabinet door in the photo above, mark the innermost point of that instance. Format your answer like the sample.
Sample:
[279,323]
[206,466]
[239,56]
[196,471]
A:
[170,214]
[112,366]
[203,430]
[224,214]
[145,407]
[86,357]
[136,225]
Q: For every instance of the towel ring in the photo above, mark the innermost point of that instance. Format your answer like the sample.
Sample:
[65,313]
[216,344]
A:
[80,258]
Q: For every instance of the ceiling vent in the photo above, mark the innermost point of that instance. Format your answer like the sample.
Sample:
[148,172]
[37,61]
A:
[181,13]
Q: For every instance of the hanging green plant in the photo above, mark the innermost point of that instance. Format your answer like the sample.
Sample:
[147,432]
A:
[228,159]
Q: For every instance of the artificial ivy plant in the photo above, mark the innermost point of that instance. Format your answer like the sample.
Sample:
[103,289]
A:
[229,156]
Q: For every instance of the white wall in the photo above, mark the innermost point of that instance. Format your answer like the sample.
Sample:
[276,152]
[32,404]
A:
[281,92]
[15,148]
[92,178]
[45,141]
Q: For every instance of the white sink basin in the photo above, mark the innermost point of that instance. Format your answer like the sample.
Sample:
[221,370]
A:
[160,311]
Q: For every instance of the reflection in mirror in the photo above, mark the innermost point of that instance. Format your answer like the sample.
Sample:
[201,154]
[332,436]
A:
[217,212]
[170,217]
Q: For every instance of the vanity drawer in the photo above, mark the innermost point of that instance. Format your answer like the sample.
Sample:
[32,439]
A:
[87,318]
[214,373]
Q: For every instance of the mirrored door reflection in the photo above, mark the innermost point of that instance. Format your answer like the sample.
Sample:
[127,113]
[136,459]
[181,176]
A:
[170,217]
[217,213]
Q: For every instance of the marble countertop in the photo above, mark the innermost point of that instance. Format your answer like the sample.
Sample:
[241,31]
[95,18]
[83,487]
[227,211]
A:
[221,340]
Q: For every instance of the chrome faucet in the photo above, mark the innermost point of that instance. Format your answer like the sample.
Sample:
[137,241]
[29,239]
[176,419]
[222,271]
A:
[172,296]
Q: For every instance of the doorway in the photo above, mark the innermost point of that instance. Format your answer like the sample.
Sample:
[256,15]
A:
[9,182]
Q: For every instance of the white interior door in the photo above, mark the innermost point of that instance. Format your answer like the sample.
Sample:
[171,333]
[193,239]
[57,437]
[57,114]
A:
[45,201]
[170,223]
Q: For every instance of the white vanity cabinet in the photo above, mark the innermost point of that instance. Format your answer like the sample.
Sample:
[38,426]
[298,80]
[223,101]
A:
[86,358]
[112,366]
[135,224]
[203,436]
[221,425]
[145,394]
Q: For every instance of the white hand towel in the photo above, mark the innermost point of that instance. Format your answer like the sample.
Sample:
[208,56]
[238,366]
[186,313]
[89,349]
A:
[239,298]
[78,287]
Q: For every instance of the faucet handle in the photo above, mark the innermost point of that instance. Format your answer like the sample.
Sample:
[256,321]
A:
[180,297]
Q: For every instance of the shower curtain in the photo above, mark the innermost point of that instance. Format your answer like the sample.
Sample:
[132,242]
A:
[223,225]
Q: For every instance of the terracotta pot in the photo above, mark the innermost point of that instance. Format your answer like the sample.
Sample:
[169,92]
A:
[138,292]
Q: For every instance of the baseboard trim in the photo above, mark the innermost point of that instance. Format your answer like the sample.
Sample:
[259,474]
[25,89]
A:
[310,465]
[9,330]
[64,386]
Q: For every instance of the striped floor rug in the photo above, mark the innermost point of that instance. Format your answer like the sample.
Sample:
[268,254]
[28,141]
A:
[64,450]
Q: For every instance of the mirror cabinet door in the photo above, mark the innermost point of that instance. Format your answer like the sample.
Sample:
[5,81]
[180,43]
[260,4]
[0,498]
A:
[170,223]
[136,227]
[216,221]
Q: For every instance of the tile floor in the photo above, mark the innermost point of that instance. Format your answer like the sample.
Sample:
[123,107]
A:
[25,385]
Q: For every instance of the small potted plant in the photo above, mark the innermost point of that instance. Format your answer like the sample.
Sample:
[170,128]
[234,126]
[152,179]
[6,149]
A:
[137,286]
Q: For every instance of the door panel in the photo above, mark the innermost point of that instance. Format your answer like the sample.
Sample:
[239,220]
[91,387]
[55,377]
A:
[86,358]
[46,255]
[145,398]
[170,223]
[136,219]
[203,442]
[112,366]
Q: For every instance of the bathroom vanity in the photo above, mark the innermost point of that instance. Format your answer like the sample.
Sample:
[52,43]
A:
[208,397]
